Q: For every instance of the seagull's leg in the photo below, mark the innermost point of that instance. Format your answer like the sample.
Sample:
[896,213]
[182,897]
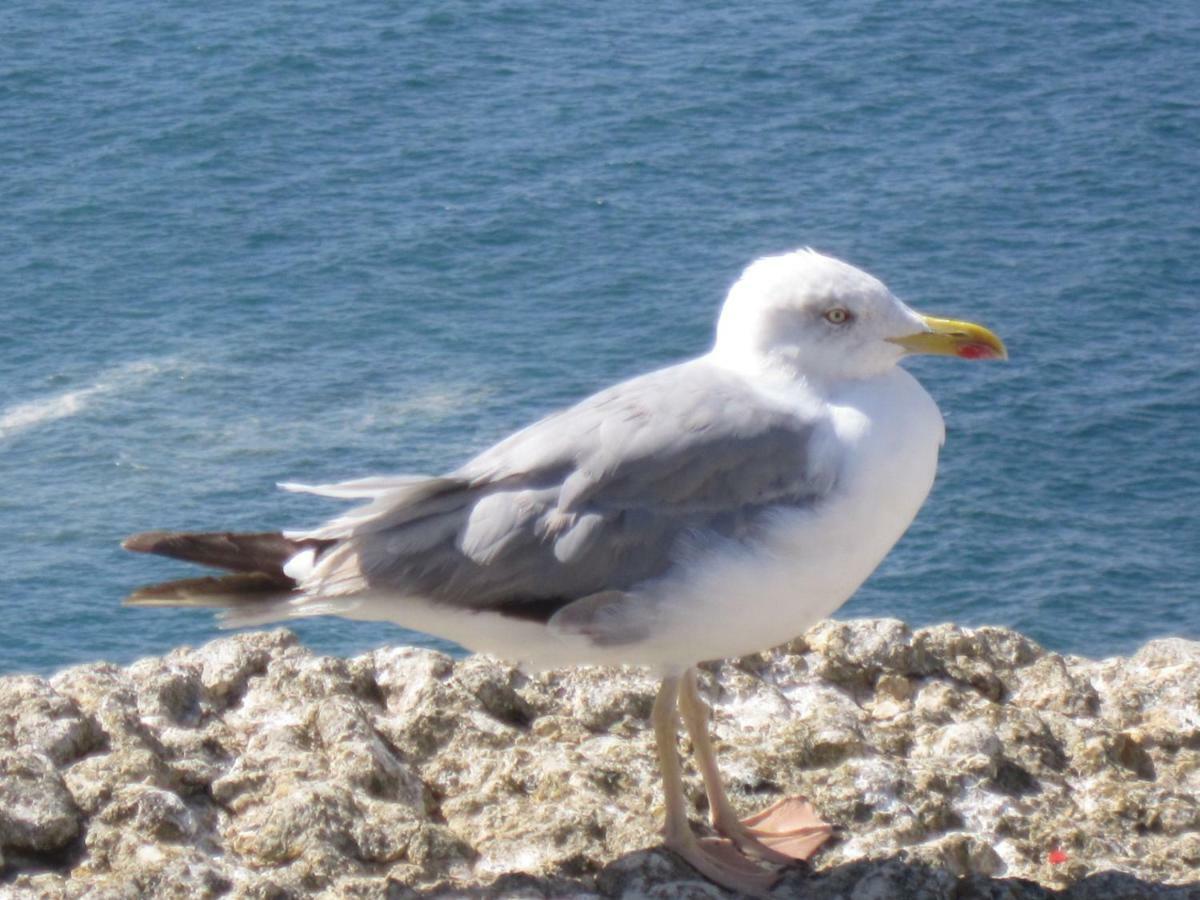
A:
[788,830]
[717,860]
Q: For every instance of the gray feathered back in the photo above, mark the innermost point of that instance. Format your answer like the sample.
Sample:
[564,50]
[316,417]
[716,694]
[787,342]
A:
[601,496]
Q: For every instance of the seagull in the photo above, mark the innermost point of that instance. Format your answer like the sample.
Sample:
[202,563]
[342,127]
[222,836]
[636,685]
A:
[707,510]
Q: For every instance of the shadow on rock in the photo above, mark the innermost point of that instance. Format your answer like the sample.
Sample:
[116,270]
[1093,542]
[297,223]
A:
[658,874]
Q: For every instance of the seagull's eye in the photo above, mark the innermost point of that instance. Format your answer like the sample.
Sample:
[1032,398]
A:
[838,316]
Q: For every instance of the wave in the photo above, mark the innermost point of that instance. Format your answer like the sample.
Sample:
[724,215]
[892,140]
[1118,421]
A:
[431,402]
[21,417]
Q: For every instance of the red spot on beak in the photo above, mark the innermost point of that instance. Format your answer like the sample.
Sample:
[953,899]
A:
[1056,856]
[975,350]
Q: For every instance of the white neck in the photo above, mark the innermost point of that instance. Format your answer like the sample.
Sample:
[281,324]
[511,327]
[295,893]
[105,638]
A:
[755,365]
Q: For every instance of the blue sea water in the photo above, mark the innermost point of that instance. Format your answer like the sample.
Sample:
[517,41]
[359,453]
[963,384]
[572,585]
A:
[243,243]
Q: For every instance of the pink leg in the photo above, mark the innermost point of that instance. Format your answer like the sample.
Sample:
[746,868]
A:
[719,861]
[785,831]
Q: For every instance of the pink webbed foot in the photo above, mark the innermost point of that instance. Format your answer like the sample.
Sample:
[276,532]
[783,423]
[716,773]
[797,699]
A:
[718,860]
[783,832]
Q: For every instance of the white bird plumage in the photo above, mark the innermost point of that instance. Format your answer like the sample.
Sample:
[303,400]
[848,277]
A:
[709,509]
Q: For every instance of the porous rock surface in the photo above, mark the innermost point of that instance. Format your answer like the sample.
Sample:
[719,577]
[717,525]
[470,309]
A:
[955,763]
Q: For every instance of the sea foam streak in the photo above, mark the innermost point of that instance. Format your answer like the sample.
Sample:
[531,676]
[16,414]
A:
[20,417]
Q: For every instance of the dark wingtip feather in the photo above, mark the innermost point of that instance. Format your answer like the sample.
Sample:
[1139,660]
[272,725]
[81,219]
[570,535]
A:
[145,541]
[224,591]
[266,551]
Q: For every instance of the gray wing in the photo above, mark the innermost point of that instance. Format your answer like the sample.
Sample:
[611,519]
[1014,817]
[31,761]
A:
[598,497]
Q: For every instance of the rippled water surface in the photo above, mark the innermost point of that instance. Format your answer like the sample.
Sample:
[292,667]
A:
[242,243]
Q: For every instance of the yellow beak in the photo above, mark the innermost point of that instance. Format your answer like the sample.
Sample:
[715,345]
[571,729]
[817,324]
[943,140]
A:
[950,338]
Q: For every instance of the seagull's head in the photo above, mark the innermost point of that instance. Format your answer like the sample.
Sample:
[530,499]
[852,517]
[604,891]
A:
[822,318]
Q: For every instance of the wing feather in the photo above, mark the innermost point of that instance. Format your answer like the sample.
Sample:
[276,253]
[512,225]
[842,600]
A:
[596,498]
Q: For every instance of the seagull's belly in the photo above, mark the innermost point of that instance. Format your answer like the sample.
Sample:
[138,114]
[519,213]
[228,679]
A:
[746,598]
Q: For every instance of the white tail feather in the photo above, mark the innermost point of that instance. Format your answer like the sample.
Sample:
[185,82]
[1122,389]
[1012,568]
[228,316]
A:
[356,489]
[300,566]
[257,615]
[394,501]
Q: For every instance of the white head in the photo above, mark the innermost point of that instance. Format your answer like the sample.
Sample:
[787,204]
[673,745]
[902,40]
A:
[818,317]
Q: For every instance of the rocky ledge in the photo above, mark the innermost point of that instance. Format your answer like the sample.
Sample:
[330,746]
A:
[956,763]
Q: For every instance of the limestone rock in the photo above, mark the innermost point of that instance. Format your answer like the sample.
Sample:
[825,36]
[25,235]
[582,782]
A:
[955,763]
[37,718]
[37,812]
